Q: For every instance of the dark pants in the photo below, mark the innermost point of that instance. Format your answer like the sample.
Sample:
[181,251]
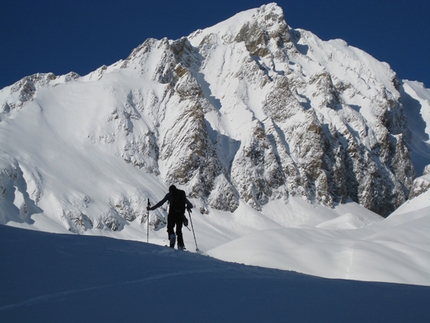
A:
[175,218]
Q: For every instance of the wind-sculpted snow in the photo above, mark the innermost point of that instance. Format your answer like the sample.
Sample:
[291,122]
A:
[243,115]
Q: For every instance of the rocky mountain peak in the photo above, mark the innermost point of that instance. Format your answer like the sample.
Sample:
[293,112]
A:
[249,110]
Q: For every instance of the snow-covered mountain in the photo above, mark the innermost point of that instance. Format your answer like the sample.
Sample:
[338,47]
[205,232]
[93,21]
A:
[266,127]
[417,100]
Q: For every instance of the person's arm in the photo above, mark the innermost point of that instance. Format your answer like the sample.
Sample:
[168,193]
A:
[189,205]
[164,200]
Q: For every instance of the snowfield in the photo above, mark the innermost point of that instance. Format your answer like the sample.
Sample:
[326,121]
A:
[70,278]
[348,242]
[348,246]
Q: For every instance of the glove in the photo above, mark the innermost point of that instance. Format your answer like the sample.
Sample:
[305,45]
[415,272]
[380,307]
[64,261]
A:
[148,208]
[185,220]
[189,209]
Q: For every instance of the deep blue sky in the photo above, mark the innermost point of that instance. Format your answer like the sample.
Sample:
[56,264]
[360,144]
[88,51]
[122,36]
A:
[81,35]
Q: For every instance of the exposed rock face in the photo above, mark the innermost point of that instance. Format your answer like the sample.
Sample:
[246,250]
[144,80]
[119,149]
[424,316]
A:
[249,109]
[421,184]
[313,127]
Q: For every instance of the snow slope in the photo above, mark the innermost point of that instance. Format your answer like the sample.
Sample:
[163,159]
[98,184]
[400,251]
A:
[417,98]
[348,242]
[73,158]
[69,278]
[349,246]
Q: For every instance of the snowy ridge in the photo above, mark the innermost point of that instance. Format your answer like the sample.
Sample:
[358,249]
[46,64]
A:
[272,132]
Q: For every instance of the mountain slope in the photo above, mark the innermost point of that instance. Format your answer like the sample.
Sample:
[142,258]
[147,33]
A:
[249,109]
[264,126]
[88,279]
[417,98]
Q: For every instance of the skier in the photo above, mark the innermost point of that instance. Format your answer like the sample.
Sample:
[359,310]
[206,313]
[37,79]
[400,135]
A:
[177,203]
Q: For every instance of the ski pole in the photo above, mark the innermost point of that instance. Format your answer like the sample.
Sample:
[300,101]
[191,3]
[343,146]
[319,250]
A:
[192,227]
[147,222]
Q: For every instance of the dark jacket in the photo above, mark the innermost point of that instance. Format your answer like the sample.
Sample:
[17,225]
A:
[168,197]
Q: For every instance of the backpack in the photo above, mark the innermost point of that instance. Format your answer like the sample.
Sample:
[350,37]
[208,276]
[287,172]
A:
[177,203]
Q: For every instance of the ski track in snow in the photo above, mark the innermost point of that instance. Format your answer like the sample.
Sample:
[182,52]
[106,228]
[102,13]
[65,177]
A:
[147,280]
[71,278]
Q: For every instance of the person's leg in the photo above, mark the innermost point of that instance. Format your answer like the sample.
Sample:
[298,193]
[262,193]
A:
[170,226]
[181,244]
